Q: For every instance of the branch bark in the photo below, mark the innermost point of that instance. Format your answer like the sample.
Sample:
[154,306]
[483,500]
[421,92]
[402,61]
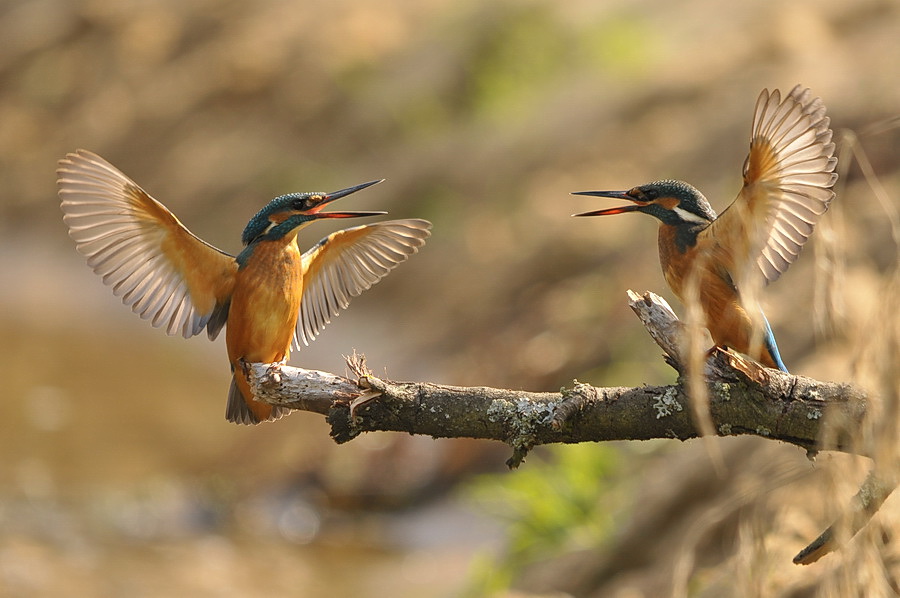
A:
[743,398]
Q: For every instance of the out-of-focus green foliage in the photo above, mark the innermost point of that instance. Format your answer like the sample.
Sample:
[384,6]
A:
[562,498]
[620,44]
[526,48]
[520,52]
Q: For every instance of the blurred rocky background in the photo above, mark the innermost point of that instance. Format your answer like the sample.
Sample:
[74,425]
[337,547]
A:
[120,476]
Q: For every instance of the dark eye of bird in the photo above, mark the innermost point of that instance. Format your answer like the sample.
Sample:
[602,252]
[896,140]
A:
[642,195]
[306,203]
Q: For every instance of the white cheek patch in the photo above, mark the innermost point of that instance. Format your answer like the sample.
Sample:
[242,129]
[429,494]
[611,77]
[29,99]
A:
[688,216]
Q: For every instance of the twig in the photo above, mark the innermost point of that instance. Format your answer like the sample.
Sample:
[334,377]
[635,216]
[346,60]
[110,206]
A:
[863,507]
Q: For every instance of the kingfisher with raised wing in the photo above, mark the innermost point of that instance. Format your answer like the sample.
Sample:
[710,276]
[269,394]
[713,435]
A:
[270,297]
[788,179]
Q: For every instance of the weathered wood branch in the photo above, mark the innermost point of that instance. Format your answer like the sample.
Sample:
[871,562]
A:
[787,408]
[742,398]
[874,491]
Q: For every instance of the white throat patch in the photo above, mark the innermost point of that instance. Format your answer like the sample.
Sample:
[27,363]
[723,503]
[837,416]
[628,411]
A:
[688,216]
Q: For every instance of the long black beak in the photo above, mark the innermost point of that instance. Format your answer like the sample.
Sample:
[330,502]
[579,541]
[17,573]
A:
[634,207]
[330,197]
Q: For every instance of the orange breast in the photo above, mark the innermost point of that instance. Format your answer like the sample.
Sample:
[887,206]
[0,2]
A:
[265,304]
[263,313]
[728,322]
[675,264]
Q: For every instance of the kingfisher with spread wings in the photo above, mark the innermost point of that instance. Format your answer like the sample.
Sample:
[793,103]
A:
[270,297]
[788,180]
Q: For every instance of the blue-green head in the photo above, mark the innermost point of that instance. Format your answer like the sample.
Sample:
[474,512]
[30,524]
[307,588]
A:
[286,213]
[673,202]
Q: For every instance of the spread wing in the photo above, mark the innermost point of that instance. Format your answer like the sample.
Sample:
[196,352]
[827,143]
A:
[348,262]
[140,249]
[788,180]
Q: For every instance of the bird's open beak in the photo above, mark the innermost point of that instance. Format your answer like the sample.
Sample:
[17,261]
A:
[330,197]
[634,207]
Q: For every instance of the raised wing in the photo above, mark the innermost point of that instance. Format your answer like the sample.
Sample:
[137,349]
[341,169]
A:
[788,180]
[162,271]
[346,263]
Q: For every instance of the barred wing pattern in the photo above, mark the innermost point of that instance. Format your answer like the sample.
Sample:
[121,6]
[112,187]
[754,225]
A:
[139,248]
[348,262]
[788,180]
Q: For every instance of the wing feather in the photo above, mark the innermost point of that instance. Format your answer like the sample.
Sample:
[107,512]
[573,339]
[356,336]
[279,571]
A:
[139,248]
[788,180]
[346,263]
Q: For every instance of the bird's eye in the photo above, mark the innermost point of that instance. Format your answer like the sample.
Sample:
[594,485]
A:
[644,195]
[301,204]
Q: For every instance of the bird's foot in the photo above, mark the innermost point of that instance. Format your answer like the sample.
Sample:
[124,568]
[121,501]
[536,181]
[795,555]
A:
[273,372]
[245,366]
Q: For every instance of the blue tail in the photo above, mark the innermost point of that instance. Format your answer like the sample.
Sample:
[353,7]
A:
[771,347]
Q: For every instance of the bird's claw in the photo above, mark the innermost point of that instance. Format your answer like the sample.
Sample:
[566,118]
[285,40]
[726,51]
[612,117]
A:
[245,366]
[273,372]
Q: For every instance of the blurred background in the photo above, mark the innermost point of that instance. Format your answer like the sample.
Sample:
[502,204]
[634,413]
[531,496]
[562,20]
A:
[121,477]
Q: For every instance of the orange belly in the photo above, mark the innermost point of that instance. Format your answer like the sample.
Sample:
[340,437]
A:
[725,317]
[263,313]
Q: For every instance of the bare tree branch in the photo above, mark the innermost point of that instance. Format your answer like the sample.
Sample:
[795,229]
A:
[744,397]
[782,407]
[874,491]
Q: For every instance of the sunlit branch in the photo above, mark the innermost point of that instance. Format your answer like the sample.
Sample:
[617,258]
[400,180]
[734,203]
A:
[744,398]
